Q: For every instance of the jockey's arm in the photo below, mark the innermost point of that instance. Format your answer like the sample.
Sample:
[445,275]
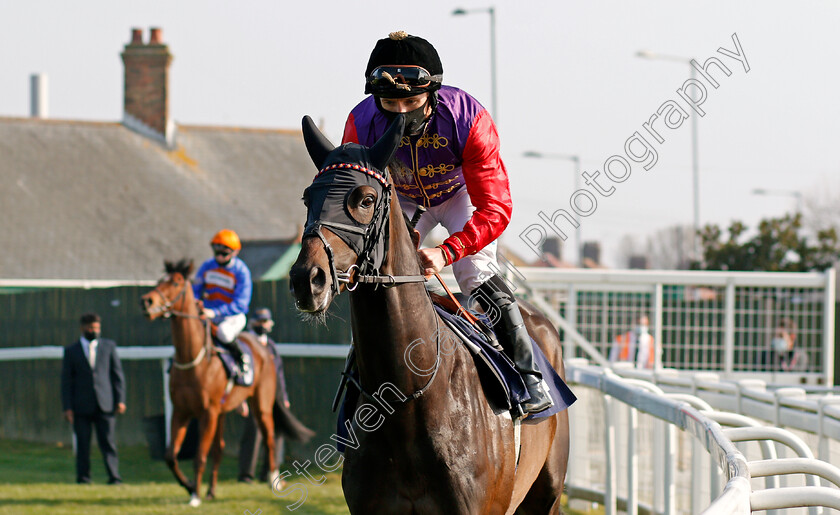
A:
[489,190]
[198,282]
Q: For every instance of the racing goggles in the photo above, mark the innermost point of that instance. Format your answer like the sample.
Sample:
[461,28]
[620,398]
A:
[395,78]
[221,250]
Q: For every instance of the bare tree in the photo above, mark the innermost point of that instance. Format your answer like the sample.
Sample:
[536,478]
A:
[670,248]
[821,210]
[628,246]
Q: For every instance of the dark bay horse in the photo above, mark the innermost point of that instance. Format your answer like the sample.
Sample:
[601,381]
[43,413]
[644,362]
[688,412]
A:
[440,447]
[197,381]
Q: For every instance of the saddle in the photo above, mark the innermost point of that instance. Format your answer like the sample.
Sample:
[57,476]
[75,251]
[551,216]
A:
[230,364]
[502,384]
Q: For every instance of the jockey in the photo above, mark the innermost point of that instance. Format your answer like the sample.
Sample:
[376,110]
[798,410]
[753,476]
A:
[223,283]
[448,161]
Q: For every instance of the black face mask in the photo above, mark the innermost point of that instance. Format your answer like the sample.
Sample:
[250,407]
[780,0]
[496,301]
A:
[91,335]
[260,330]
[415,121]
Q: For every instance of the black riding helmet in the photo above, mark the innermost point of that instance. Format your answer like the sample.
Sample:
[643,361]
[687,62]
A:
[403,66]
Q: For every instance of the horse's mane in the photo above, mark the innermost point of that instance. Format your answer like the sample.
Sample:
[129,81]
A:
[183,266]
[411,232]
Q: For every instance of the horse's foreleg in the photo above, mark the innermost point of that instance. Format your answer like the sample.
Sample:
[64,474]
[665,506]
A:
[207,431]
[265,419]
[216,456]
[178,430]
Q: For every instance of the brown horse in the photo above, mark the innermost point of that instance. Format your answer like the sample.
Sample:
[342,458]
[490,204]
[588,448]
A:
[436,445]
[197,381]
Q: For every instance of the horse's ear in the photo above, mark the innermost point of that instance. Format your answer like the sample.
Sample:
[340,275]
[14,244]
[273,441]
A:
[168,266]
[383,150]
[317,144]
[190,269]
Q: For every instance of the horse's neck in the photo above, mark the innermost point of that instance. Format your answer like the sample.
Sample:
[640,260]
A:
[188,333]
[387,321]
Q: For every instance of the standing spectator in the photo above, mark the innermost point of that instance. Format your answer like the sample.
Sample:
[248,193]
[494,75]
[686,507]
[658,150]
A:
[635,346]
[785,356]
[92,391]
[285,423]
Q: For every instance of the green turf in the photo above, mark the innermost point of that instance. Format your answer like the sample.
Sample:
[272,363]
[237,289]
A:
[40,479]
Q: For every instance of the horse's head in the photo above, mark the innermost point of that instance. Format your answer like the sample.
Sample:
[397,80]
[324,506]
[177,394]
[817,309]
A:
[170,295]
[347,210]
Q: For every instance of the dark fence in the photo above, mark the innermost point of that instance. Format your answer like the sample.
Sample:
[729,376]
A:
[30,401]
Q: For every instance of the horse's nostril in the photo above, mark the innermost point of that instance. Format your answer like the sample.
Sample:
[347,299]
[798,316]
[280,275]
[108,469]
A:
[317,277]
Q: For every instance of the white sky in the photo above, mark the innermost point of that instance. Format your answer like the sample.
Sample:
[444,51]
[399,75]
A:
[569,82]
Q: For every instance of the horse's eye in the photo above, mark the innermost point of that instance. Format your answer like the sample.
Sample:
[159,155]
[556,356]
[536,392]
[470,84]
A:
[367,201]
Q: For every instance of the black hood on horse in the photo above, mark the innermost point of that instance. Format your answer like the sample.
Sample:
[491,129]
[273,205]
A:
[342,171]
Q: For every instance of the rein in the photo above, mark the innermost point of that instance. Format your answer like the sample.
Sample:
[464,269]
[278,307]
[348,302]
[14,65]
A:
[167,309]
[419,393]
[352,276]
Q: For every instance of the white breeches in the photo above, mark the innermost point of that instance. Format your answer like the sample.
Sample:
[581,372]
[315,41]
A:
[230,327]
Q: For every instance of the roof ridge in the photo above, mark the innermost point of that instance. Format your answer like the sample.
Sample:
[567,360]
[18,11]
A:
[57,121]
[231,128]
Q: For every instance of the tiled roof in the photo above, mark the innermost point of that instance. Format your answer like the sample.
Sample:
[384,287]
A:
[93,200]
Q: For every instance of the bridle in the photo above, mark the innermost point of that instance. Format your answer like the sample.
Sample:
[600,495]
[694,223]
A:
[167,310]
[365,270]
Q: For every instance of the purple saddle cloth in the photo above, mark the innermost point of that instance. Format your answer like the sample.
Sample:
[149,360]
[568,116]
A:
[232,367]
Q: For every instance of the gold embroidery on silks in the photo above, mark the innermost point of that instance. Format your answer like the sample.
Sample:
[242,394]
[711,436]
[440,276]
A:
[412,195]
[400,170]
[442,183]
[444,192]
[405,186]
[431,140]
[431,170]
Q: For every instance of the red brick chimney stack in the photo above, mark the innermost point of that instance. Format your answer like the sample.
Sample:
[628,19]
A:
[146,105]
[137,37]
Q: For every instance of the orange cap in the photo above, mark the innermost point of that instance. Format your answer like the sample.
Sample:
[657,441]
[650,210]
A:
[227,238]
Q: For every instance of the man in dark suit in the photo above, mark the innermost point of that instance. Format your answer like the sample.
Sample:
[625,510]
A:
[285,423]
[92,391]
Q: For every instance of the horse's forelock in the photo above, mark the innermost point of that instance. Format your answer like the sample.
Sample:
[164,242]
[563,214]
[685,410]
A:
[183,266]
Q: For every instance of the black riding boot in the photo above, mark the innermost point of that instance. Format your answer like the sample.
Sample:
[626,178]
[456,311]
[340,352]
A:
[515,339]
[238,356]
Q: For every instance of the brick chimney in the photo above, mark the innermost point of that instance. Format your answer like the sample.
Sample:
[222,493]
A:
[146,104]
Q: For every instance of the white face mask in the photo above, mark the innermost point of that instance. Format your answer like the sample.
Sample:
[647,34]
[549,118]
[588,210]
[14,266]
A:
[779,344]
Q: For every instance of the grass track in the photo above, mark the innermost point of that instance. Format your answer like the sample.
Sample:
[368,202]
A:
[40,479]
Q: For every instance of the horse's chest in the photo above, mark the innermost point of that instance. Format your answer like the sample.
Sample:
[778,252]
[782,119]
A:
[193,400]
[453,465]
